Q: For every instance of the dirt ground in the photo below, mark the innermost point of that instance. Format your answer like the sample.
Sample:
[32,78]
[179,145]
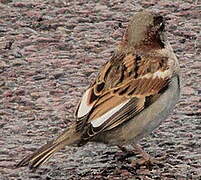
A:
[49,52]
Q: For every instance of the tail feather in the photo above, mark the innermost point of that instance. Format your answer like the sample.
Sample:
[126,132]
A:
[34,160]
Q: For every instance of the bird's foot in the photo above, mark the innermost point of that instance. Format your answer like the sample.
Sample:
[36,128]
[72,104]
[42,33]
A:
[146,161]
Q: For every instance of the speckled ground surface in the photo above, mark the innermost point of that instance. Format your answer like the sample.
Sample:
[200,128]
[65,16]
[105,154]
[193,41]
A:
[49,51]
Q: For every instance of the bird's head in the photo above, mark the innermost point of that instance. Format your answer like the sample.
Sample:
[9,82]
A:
[145,29]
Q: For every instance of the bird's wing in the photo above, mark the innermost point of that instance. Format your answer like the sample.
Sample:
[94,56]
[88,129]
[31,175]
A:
[125,86]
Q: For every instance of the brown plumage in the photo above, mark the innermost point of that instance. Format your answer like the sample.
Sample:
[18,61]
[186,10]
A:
[137,77]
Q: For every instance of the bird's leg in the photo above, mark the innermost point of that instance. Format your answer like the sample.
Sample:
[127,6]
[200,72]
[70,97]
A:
[146,158]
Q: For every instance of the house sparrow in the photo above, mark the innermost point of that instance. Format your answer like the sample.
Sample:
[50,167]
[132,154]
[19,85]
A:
[133,92]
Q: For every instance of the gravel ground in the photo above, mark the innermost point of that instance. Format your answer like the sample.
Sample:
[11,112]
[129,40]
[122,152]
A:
[49,51]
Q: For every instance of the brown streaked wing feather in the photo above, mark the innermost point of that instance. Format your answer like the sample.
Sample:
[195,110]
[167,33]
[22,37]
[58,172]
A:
[128,111]
[105,104]
[141,87]
[133,107]
[118,82]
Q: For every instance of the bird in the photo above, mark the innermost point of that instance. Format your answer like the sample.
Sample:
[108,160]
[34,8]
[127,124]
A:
[134,91]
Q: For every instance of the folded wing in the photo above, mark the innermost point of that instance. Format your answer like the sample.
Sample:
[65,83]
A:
[124,87]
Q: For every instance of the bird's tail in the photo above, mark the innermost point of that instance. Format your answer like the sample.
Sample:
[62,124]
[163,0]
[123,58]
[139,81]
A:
[68,137]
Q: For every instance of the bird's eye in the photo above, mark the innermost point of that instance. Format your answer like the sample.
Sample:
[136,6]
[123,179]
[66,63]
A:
[159,22]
